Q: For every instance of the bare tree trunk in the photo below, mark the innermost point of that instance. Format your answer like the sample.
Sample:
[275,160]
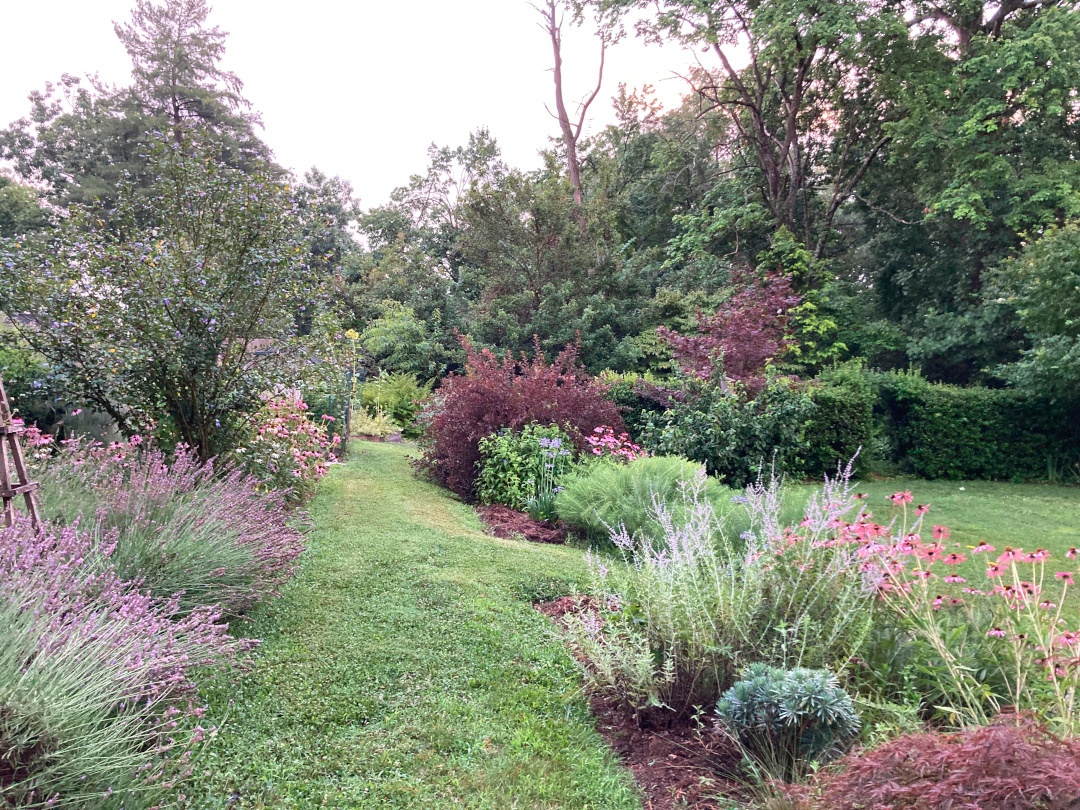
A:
[571,133]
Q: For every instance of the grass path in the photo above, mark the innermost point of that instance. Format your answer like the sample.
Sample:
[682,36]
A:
[405,667]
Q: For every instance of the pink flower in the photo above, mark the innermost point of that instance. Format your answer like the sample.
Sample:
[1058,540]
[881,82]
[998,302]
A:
[1071,553]
[941,533]
[994,570]
[922,509]
[983,546]
[954,578]
[954,559]
[902,497]
[1065,575]
[997,631]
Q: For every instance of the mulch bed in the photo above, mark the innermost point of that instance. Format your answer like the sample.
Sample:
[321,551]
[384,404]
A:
[502,521]
[675,767]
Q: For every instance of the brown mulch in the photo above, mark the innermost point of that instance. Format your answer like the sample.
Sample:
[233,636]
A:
[675,767]
[502,521]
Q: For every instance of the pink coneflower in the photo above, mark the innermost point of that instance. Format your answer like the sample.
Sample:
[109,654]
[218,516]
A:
[983,546]
[1065,575]
[938,602]
[1010,554]
[975,591]
[921,573]
[1046,604]
[941,532]
[954,559]
[996,631]
[994,570]
[1068,639]
[1041,554]
[1071,553]
[861,495]
[902,497]
[954,578]
[922,509]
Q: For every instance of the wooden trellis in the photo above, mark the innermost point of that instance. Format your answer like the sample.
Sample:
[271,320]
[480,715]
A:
[22,485]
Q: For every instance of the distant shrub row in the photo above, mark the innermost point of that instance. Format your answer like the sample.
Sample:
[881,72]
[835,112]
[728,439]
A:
[897,421]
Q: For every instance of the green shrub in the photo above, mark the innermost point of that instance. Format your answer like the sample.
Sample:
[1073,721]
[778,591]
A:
[944,431]
[789,721]
[378,424]
[842,424]
[637,395]
[695,604]
[398,395]
[739,436]
[605,495]
[513,465]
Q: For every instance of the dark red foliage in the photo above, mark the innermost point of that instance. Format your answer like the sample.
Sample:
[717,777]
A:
[496,393]
[1012,765]
[502,521]
[748,331]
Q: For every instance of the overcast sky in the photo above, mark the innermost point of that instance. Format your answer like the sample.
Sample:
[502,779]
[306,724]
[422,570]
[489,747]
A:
[359,88]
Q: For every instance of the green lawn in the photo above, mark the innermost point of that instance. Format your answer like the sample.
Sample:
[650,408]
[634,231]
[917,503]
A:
[405,667]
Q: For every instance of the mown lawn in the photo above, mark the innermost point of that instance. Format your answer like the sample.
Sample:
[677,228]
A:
[406,667]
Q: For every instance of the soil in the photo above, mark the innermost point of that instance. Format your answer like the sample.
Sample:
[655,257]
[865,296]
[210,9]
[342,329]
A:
[502,521]
[676,767]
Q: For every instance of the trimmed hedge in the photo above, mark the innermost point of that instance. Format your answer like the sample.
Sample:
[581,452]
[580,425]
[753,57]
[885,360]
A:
[944,431]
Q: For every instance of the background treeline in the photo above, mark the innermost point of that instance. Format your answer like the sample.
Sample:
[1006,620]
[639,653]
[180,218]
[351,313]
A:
[899,178]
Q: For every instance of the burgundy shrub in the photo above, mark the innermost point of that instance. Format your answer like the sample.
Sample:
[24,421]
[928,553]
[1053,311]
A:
[1014,764]
[496,393]
[750,329]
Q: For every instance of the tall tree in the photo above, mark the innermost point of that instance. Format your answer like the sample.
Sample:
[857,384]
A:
[554,17]
[83,137]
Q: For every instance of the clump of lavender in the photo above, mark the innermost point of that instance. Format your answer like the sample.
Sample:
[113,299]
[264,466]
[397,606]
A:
[177,526]
[97,703]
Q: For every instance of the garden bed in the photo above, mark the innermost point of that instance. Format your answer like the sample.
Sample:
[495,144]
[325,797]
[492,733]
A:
[502,521]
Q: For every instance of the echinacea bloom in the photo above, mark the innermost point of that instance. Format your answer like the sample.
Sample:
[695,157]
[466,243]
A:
[1068,639]
[1010,554]
[1065,575]
[922,509]
[994,570]
[954,578]
[954,559]
[902,497]
[996,631]
[941,532]
[861,495]
[983,546]
[1046,604]
[1071,553]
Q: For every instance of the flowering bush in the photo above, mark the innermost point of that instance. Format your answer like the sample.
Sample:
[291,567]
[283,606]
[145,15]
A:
[516,468]
[509,393]
[286,449]
[605,444]
[97,704]
[1012,764]
[1000,641]
[693,605]
[176,527]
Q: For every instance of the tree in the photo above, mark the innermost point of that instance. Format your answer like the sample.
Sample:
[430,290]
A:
[190,316]
[83,138]
[805,112]
[20,212]
[1043,285]
[571,132]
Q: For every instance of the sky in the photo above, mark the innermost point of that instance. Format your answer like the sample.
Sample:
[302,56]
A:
[361,88]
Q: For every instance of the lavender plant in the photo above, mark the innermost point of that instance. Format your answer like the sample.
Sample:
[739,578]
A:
[97,703]
[690,607]
[175,526]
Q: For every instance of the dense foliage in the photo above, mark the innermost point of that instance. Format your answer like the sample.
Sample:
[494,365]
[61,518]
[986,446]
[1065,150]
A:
[507,393]
[516,466]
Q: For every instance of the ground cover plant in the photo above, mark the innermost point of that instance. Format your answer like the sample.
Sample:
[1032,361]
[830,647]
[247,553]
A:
[405,666]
